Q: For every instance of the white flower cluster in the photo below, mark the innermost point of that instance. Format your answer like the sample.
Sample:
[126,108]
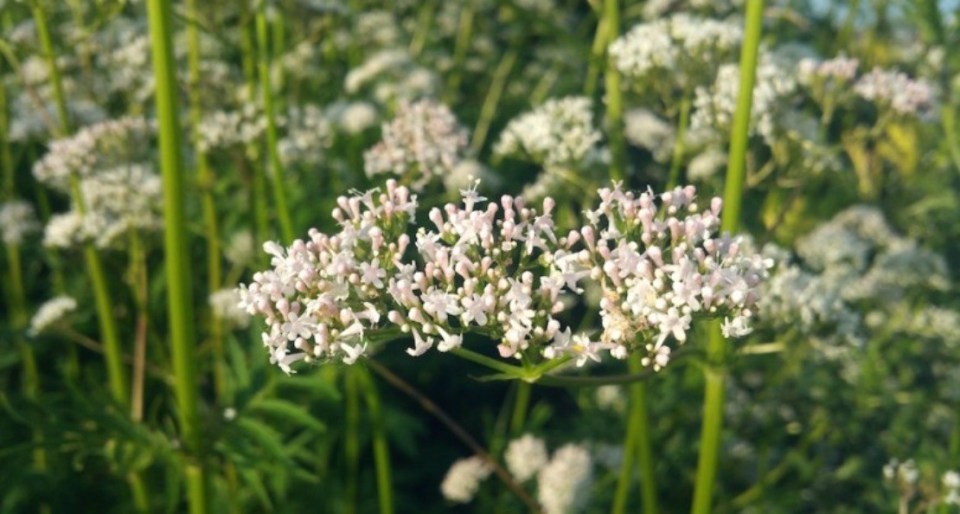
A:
[643,128]
[463,479]
[225,305]
[92,148]
[840,70]
[116,201]
[221,130]
[905,472]
[422,143]
[558,133]
[17,219]
[563,485]
[309,134]
[499,270]
[855,262]
[353,117]
[951,482]
[525,456]
[675,46]
[714,106]
[659,266]
[904,95]
[392,75]
[50,313]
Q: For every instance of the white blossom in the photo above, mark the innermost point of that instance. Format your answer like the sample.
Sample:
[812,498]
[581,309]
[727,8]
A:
[563,485]
[17,219]
[463,479]
[525,457]
[52,311]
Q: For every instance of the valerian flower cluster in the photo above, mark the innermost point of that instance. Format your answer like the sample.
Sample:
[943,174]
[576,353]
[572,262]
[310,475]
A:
[499,269]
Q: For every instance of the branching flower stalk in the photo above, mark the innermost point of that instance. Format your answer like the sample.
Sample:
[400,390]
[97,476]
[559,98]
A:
[381,452]
[733,193]
[267,97]
[177,264]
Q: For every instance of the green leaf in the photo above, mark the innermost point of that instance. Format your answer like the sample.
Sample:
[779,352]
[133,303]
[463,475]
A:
[268,439]
[283,410]
[253,479]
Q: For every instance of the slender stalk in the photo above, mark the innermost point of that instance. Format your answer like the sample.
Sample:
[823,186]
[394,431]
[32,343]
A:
[618,146]
[138,283]
[206,181]
[490,102]
[597,53]
[351,438]
[716,348]
[381,452]
[8,184]
[461,45]
[273,154]
[424,23]
[46,45]
[116,373]
[177,264]
[637,443]
[521,404]
[678,148]
[457,430]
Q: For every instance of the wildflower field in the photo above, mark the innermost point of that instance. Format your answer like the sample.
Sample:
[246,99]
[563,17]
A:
[492,256]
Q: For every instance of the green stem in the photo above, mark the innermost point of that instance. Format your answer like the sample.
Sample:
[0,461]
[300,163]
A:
[678,148]
[351,438]
[46,45]
[424,23]
[597,53]
[733,193]
[8,187]
[637,442]
[520,405]
[206,181]
[618,146]
[381,452]
[273,154]
[490,102]
[462,44]
[177,263]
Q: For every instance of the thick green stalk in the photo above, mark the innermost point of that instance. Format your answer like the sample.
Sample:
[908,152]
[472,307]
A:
[381,452]
[521,404]
[637,443]
[618,146]
[733,193]
[273,154]
[177,264]
[206,181]
[46,45]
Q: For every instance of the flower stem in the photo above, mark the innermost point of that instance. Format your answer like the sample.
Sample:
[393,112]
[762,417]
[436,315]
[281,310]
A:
[678,148]
[273,154]
[351,438]
[521,403]
[461,45]
[206,181]
[457,430]
[618,147]
[46,45]
[733,193]
[177,263]
[381,452]
[490,102]
[637,443]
